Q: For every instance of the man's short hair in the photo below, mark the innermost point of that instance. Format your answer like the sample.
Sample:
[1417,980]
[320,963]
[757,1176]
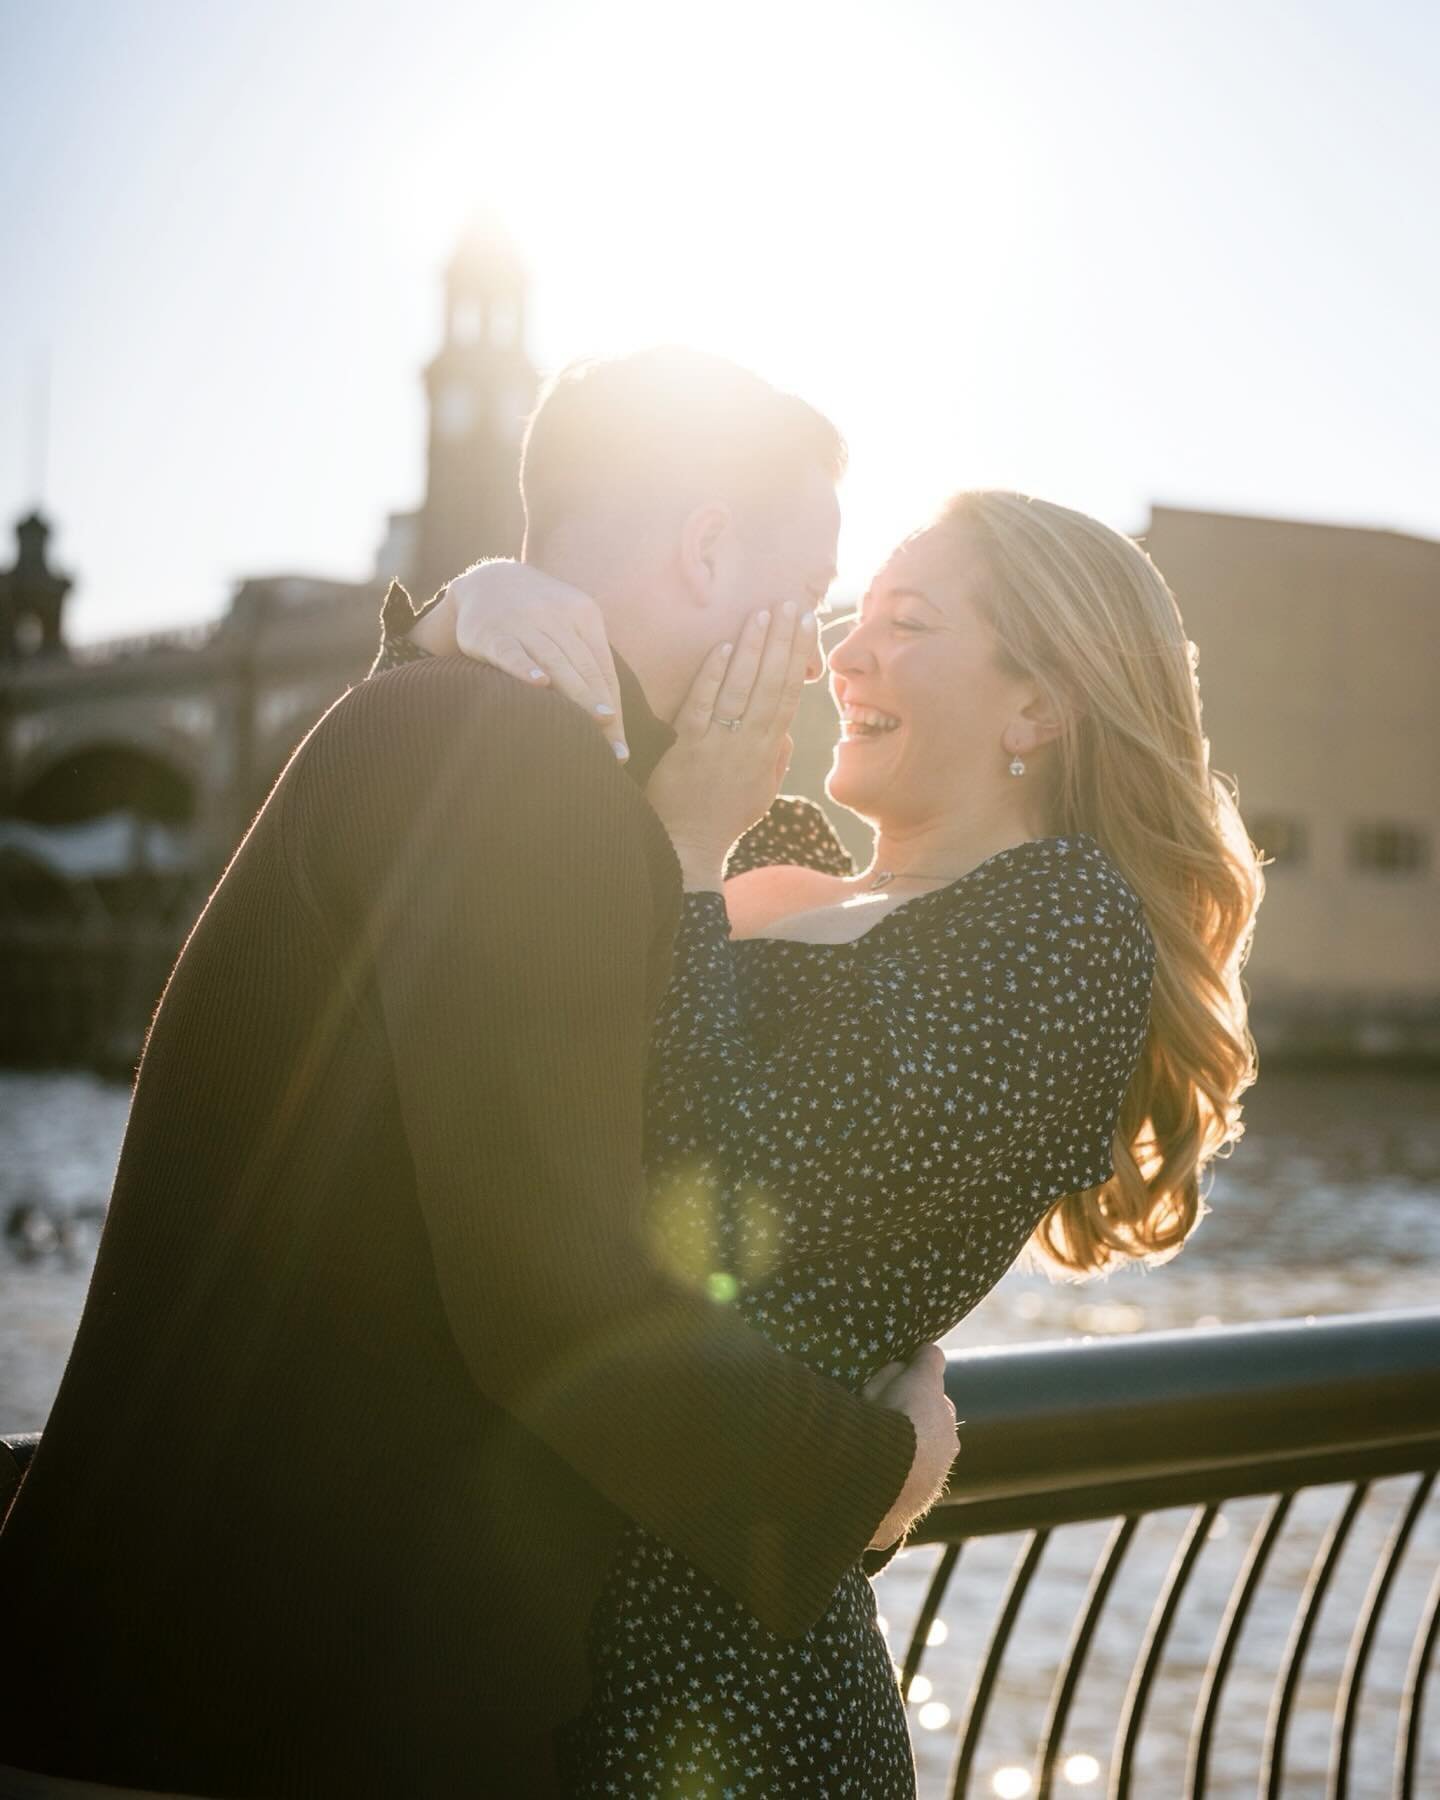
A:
[667,427]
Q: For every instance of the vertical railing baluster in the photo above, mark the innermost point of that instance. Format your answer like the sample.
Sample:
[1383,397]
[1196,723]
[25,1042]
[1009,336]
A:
[925,1618]
[1025,1567]
[1407,1749]
[1347,1701]
[1228,1636]
[1073,1666]
[1272,1770]
[1127,1735]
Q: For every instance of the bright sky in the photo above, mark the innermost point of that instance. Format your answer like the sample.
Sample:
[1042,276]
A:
[1112,252]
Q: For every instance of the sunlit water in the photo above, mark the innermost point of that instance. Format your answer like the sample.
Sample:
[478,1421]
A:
[1331,1204]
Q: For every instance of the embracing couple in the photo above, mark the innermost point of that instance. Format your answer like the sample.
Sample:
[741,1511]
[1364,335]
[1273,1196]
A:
[511,1344]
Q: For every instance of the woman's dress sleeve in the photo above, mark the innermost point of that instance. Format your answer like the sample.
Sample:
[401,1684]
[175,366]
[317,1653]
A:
[795,830]
[994,1043]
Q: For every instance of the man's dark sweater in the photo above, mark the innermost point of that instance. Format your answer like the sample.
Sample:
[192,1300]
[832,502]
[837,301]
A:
[374,1359]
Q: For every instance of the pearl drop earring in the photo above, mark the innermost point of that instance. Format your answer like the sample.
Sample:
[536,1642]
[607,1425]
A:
[1017,765]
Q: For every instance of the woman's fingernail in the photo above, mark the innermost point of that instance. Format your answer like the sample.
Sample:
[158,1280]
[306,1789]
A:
[727,649]
[622,751]
[807,619]
[605,712]
[762,618]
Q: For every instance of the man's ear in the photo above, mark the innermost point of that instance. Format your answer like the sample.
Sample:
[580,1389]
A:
[706,546]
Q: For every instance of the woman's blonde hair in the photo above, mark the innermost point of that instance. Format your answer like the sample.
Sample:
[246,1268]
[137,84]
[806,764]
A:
[1082,610]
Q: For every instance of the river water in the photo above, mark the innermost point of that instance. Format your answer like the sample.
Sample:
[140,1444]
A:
[1330,1204]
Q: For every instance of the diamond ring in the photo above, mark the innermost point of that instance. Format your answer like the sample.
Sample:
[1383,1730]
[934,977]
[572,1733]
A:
[729,724]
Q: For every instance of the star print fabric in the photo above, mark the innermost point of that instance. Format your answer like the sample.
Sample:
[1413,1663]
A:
[851,1144]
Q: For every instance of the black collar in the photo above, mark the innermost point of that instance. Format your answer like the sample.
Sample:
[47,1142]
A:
[648,737]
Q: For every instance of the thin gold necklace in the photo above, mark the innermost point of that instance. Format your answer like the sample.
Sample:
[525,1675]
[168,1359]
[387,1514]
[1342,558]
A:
[886,876]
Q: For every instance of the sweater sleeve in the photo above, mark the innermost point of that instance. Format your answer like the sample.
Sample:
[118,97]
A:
[504,919]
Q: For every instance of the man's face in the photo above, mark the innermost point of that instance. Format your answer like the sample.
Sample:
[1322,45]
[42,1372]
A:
[667,624]
[789,555]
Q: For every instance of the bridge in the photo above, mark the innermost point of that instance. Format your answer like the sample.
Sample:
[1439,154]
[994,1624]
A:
[128,772]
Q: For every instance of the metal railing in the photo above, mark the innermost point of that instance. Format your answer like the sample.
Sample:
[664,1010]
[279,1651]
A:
[1119,1429]
[1058,1435]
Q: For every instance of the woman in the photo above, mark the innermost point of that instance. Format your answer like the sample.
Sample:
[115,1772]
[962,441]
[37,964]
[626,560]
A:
[1021,1024]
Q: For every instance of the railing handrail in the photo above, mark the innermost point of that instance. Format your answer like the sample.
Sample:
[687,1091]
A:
[1085,1429]
[1057,1430]
[1074,1429]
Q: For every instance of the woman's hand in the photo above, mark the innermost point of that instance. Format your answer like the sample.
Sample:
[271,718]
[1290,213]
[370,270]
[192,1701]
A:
[917,1389]
[542,631]
[733,742]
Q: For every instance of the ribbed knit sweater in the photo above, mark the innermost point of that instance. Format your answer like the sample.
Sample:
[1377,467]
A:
[376,1358]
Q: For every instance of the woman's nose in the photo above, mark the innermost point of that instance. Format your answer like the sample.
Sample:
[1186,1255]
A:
[850,654]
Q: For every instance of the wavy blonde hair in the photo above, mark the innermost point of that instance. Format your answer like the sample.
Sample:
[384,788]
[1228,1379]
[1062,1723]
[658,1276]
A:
[1082,611]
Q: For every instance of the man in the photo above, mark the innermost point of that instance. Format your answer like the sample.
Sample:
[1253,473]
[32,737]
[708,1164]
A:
[376,1357]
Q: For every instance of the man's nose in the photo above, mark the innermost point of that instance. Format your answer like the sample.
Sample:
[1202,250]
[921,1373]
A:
[814,655]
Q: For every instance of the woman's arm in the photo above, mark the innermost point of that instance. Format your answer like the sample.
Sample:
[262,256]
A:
[517,618]
[795,832]
[726,1102]
[788,862]
[980,1050]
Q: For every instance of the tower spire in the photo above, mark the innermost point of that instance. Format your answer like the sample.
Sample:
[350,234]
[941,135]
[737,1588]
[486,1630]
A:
[480,385]
[39,426]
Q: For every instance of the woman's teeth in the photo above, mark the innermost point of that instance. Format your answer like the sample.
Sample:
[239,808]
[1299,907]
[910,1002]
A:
[866,721]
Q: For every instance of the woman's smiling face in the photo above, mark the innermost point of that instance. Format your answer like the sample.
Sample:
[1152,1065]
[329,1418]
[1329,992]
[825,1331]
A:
[923,699]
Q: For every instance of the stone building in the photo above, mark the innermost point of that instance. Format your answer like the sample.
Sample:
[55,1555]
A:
[1319,659]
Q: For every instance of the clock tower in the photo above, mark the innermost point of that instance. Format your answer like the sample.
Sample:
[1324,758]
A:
[480,388]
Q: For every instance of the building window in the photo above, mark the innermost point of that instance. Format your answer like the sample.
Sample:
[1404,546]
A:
[504,324]
[1283,842]
[454,410]
[467,322]
[29,635]
[1390,849]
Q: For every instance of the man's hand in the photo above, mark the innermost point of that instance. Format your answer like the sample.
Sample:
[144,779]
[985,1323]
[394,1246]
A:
[918,1390]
